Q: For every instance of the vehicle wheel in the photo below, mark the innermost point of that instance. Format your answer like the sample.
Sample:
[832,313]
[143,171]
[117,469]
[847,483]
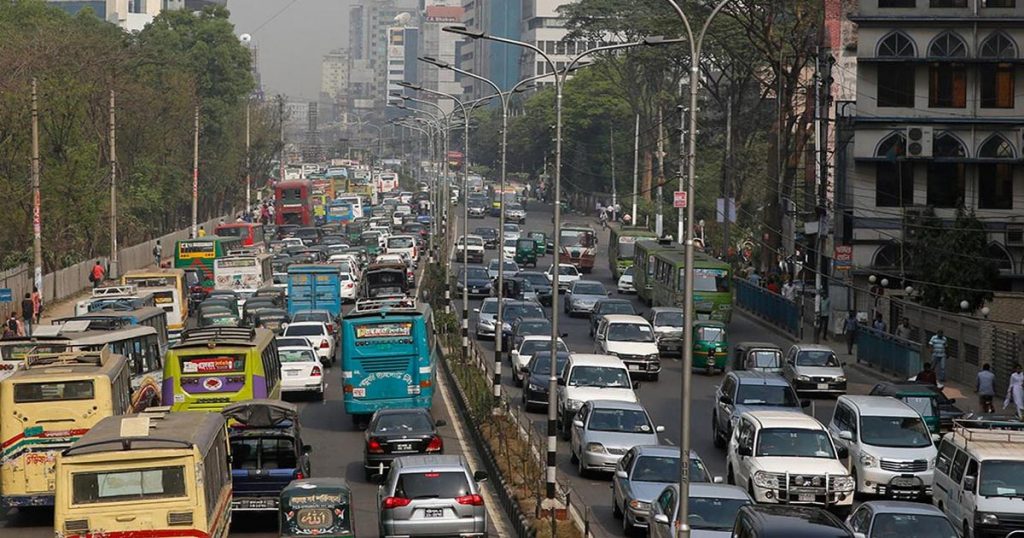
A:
[572,457]
[580,469]
[716,436]
[320,395]
[856,484]
[566,432]
[616,511]
[967,530]
[627,528]
[730,477]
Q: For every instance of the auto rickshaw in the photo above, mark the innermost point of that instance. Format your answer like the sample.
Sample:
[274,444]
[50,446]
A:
[526,252]
[319,507]
[542,242]
[757,356]
[710,349]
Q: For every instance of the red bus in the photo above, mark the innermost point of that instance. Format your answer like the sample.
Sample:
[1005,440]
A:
[292,203]
[250,233]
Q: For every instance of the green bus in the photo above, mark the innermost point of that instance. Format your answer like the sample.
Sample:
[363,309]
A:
[643,262]
[621,240]
[199,253]
[712,290]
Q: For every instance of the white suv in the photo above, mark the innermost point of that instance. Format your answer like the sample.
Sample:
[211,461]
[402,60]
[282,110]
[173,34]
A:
[474,247]
[891,451]
[631,339]
[781,457]
[591,377]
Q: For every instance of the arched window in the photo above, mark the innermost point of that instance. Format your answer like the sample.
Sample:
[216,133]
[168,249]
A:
[888,256]
[947,78]
[896,79]
[995,179]
[946,175]
[894,177]
[996,252]
[997,78]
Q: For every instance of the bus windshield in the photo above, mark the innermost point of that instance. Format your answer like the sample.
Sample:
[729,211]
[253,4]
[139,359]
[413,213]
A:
[627,247]
[572,238]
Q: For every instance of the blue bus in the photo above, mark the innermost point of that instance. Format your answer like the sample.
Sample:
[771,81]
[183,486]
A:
[387,356]
[339,211]
[110,319]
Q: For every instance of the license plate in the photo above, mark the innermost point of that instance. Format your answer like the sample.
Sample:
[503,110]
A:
[805,497]
[822,386]
[292,373]
[433,512]
[359,393]
[634,367]
[403,447]
[902,482]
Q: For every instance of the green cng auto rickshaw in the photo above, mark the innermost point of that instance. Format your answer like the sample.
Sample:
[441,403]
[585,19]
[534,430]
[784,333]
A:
[542,242]
[319,507]
[526,252]
[710,348]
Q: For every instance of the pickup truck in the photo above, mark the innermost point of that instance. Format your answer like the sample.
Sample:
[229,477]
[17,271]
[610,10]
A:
[473,245]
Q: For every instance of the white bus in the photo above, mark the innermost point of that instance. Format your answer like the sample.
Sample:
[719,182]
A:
[243,274]
[355,202]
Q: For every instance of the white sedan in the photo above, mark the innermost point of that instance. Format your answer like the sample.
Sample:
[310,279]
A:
[530,345]
[625,283]
[567,274]
[301,371]
[318,335]
[349,285]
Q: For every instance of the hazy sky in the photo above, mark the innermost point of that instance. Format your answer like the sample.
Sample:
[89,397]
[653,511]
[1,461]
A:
[292,35]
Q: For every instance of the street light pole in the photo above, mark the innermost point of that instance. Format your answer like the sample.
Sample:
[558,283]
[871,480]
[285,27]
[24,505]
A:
[685,396]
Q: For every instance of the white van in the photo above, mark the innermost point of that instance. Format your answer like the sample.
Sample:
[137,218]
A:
[404,245]
[979,477]
[591,377]
[631,339]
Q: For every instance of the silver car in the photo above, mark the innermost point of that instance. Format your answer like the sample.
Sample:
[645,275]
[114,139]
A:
[640,477]
[900,518]
[582,296]
[604,430]
[431,496]
[747,390]
[713,509]
[487,316]
[668,328]
[814,368]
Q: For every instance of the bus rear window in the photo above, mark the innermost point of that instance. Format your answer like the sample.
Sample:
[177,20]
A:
[17,352]
[54,391]
[136,484]
[212,364]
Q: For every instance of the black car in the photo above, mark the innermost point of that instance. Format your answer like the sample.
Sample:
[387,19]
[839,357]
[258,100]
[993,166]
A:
[781,521]
[286,230]
[490,236]
[541,285]
[537,377]
[514,310]
[399,432]
[309,235]
[474,280]
[609,306]
[527,327]
[333,240]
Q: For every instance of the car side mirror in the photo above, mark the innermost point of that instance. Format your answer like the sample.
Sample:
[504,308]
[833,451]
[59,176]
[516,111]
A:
[970,482]
[717,480]
[307,449]
[790,362]
[661,519]
[659,429]
[743,450]
[936,438]
[480,476]
[561,381]
[842,452]
[846,435]
[577,423]
[439,423]
[609,294]
[476,310]
[805,403]
[621,474]
[725,399]
[565,335]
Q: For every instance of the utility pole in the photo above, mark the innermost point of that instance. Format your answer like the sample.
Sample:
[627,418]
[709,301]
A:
[659,229]
[682,172]
[280,157]
[822,95]
[727,179]
[248,174]
[611,149]
[37,224]
[113,272]
[195,175]
[636,167]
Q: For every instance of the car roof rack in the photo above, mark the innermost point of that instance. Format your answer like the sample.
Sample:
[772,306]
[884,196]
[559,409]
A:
[217,335]
[992,431]
[384,305]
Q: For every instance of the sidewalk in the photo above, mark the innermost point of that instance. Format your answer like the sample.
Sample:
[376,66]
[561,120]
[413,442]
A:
[66,307]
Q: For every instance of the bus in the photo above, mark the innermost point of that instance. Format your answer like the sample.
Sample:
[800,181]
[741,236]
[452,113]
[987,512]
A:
[712,286]
[115,318]
[214,366]
[387,182]
[293,203]
[124,296]
[243,273]
[643,264]
[621,240]
[51,402]
[251,234]
[169,292]
[338,211]
[387,357]
[14,350]
[200,253]
[354,200]
[577,246]
[149,475]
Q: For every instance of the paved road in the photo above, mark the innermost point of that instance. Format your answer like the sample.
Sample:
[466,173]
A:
[661,398]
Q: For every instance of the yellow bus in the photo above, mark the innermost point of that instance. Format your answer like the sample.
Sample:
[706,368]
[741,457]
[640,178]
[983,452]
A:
[214,366]
[169,292]
[152,475]
[49,404]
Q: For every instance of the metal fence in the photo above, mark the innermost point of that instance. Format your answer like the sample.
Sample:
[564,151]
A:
[771,307]
[888,352]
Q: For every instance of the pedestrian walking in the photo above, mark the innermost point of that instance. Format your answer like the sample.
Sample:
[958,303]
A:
[603,216]
[37,304]
[879,323]
[158,251]
[97,274]
[824,314]
[789,290]
[903,329]
[985,386]
[938,345]
[850,331]
[28,313]
[1015,392]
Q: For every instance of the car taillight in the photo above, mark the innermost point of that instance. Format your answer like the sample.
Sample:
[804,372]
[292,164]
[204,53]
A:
[330,329]
[472,500]
[396,502]
[316,372]
[299,475]
[324,344]
[374,447]
[349,285]
[435,444]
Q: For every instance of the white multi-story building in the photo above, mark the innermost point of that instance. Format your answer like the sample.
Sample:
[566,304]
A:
[545,28]
[938,124]
[334,83]
[443,46]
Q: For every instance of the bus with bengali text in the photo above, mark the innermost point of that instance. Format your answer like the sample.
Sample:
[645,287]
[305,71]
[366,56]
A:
[244,273]
[170,293]
[577,246]
[621,246]
[200,253]
[712,284]
[251,234]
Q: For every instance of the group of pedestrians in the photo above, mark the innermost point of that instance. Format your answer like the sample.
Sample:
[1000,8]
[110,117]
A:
[611,213]
[31,310]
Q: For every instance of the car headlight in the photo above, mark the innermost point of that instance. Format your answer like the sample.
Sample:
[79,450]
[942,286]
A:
[842,483]
[596,448]
[487,323]
[868,460]
[574,404]
[766,480]
[931,463]
[652,357]
[802,378]
[639,506]
[536,387]
[986,519]
[505,326]
[841,379]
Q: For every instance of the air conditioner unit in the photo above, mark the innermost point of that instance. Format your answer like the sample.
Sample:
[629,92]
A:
[919,142]
[1015,235]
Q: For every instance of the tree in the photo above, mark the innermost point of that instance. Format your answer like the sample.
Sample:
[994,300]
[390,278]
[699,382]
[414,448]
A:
[950,263]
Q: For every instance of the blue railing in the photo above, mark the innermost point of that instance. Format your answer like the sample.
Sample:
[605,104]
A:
[888,353]
[768,306]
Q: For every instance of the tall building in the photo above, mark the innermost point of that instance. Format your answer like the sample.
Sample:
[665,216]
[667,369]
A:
[545,28]
[369,22]
[937,124]
[401,66]
[496,61]
[443,46]
[131,15]
[334,84]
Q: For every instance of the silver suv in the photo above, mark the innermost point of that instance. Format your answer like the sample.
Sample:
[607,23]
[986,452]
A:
[431,496]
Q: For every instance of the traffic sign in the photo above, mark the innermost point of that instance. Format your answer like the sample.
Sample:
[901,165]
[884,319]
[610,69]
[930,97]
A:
[6,295]
[679,199]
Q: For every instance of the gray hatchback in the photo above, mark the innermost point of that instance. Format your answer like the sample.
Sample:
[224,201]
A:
[431,496]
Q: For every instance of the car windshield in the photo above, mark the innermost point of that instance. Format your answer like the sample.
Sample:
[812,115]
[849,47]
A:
[568,270]
[891,525]
[617,308]
[588,288]
[541,362]
[477,273]
[665,469]
[473,241]
[485,232]
[766,359]
[630,332]
[536,279]
[534,327]
[523,311]
[817,358]
[758,394]
[432,485]
[297,355]
[794,443]
[903,432]
[510,266]
[711,334]
[668,319]
[598,376]
[292,342]
[629,270]
[530,347]
[511,228]
[620,421]
[510,242]
[924,405]
[1002,478]
[489,307]
[515,207]
[391,423]
[312,316]
[713,513]
[305,330]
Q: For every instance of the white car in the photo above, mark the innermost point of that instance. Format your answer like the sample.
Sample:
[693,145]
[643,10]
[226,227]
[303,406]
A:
[531,344]
[625,283]
[814,368]
[349,287]
[404,245]
[781,457]
[511,268]
[473,245]
[567,274]
[318,334]
[347,264]
[631,339]
[292,242]
[397,216]
[508,247]
[301,371]
[511,231]
[591,377]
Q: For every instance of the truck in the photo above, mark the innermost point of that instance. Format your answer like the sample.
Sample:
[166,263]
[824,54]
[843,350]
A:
[314,287]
